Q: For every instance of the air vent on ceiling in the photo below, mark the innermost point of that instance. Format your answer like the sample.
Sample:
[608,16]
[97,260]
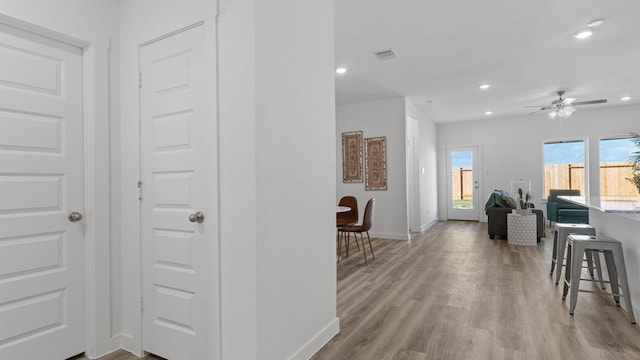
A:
[387,54]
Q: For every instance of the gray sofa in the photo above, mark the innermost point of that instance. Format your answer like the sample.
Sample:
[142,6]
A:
[497,209]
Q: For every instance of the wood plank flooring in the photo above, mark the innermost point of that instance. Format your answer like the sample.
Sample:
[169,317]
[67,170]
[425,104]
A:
[454,294]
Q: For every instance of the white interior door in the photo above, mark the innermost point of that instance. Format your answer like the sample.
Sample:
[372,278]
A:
[462,183]
[42,270]
[179,253]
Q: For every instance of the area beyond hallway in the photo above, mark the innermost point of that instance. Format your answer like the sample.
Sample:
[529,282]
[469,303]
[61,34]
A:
[455,294]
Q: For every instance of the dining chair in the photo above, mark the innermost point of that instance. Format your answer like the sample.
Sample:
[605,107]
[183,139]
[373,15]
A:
[346,218]
[367,222]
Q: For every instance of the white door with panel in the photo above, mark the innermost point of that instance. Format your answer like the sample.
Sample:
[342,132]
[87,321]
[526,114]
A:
[42,250]
[463,201]
[178,162]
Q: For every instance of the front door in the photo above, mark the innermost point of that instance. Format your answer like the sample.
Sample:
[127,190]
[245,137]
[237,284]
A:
[42,251]
[462,183]
[179,240]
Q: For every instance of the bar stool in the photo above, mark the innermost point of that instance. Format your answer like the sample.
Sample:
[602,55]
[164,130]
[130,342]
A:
[612,249]
[560,233]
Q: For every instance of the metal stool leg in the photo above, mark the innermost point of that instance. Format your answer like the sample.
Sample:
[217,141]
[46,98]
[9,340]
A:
[613,276]
[562,244]
[577,253]
[622,274]
[554,254]
[567,273]
[596,261]
[589,257]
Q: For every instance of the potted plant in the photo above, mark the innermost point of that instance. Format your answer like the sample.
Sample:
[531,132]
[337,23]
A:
[524,204]
[634,159]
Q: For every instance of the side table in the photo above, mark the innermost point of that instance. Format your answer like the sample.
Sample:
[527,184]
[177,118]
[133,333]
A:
[521,229]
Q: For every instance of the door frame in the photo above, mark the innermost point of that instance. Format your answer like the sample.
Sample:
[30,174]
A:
[134,342]
[210,172]
[97,175]
[413,175]
[477,171]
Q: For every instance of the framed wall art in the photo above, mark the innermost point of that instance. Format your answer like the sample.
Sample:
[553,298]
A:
[352,157]
[376,163]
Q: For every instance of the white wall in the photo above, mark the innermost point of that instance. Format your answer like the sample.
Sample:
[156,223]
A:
[378,118]
[276,165]
[428,162]
[295,186]
[96,24]
[511,148]
[237,127]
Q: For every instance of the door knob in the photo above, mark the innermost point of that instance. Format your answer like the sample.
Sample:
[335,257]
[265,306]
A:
[197,217]
[75,216]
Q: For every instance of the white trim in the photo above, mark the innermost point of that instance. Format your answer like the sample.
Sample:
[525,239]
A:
[429,224]
[320,339]
[96,174]
[389,236]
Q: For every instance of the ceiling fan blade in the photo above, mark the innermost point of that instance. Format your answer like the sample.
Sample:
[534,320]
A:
[538,106]
[541,109]
[601,101]
[568,101]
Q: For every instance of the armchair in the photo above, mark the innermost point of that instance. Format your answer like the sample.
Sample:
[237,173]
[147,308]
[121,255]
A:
[562,211]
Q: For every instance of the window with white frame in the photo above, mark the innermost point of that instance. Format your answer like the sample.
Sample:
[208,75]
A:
[564,165]
[615,167]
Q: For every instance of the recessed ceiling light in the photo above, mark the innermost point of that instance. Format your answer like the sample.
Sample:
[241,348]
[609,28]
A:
[625,98]
[488,113]
[595,22]
[341,70]
[485,86]
[583,34]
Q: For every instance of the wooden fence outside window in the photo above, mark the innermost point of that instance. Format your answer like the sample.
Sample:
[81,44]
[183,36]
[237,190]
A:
[613,180]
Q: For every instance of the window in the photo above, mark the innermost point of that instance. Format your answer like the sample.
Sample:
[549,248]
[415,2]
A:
[564,166]
[615,167]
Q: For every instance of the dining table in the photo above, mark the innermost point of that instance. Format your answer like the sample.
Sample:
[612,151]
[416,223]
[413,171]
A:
[341,209]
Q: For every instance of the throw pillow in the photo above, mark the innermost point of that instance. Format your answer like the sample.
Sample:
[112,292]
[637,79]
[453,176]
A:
[511,200]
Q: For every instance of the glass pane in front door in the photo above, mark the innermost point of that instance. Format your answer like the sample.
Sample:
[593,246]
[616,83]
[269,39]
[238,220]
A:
[462,180]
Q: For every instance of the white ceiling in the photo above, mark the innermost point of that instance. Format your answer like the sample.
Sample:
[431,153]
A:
[526,49]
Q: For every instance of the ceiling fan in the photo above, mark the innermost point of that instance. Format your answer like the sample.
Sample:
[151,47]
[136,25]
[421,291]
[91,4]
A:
[564,107]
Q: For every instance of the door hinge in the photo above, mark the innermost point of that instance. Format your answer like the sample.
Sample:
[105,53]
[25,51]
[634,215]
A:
[141,303]
[140,80]
[140,190]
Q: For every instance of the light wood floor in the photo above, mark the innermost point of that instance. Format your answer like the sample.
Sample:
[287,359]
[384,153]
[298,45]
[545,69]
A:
[454,294]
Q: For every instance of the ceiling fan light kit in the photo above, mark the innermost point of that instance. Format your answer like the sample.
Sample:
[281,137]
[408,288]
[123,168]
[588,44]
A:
[562,113]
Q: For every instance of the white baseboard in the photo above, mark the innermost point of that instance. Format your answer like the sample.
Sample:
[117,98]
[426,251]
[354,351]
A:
[127,343]
[428,224]
[115,343]
[317,342]
[388,236]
